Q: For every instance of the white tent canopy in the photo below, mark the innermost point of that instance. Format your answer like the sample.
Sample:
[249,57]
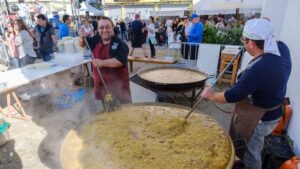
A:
[86,7]
[179,13]
[214,7]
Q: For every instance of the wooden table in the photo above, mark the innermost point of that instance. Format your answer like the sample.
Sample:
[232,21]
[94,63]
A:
[165,60]
[12,79]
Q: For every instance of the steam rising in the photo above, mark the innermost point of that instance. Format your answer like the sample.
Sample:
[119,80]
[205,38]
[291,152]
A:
[57,123]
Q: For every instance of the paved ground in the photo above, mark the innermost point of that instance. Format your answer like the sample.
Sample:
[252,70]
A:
[35,144]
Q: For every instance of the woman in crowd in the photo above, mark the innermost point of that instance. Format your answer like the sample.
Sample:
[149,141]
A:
[151,36]
[162,32]
[87,27]
[220,26]
[24,43]
[10,43]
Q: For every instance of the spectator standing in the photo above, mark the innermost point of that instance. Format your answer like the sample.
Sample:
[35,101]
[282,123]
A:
[129,30]
[123,31]
[56,25]
[209,22]
[232,19]
[187,25]
[220,26]
[151,36]
[12,48]
[138,36]
[156,23]
[44,33]
[24,42]
[87,27]
[175,28]
[195,36]
[64,27]
[161,34]
[94,23]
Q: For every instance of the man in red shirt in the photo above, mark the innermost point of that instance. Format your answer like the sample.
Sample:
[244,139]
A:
[111,55]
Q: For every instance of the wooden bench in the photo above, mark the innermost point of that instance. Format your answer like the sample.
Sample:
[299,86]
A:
[132,59]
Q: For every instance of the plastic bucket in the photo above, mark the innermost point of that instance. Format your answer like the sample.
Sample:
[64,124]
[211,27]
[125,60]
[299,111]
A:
[76,95]
[4,135]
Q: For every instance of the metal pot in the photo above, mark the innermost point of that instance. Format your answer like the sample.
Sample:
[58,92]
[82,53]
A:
[177,87]
[73,144]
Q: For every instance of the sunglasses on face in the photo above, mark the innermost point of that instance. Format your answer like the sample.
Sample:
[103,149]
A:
[105,27]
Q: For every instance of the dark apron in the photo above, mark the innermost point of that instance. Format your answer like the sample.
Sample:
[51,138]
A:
[244,120]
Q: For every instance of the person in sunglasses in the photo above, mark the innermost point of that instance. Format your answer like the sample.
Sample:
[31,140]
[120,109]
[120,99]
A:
[110,56]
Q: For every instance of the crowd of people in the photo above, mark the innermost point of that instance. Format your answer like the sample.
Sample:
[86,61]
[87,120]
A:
[27,42]
[187,30]
[141,32]
[155,31]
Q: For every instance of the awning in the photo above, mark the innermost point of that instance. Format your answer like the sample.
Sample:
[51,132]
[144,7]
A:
[168,13]
[85,6]
[214,7]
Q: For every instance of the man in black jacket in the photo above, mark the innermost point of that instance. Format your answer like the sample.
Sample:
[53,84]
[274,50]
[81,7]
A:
[44,34]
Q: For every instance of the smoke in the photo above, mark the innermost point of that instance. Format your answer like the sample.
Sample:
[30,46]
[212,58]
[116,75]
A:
[56,123]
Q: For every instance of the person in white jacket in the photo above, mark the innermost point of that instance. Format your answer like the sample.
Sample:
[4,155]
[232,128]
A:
[151,36]
[24,42]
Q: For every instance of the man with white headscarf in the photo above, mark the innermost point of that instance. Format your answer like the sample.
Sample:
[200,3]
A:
[259,91]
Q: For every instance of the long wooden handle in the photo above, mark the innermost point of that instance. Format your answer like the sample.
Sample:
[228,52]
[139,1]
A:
[98,70]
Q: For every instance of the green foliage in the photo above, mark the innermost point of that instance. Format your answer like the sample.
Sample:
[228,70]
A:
[209,34]
[232,37]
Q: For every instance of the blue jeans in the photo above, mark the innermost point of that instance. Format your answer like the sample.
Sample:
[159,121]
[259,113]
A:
[46,55]
[252,156]
[124,35]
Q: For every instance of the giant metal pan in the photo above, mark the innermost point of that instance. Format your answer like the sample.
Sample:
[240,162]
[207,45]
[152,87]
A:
[72,144]
[172,86]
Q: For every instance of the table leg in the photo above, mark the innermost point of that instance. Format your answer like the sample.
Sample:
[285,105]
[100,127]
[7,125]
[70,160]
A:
[8,106]
[22,111]
[193,97]
[84,75]
[2,112]
[131,66]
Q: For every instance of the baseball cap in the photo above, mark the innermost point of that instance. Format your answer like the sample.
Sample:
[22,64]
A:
[194,16]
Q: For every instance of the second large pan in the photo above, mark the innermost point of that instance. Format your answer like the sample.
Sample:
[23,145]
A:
[172,78]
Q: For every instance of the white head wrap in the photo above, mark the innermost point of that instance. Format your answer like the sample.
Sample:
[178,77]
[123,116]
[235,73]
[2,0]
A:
[261,29]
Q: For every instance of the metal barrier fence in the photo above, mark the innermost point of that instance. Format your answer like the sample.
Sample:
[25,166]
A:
[184,52]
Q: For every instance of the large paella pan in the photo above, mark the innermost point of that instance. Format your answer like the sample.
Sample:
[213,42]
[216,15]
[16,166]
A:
[141,136]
